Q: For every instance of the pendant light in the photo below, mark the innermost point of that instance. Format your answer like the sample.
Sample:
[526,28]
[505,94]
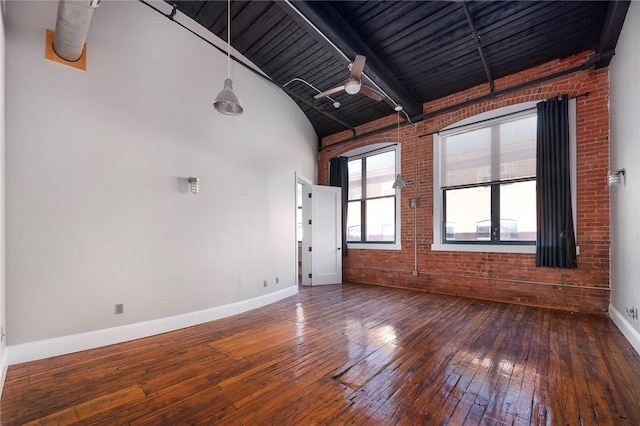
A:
[399,183]
[227,102]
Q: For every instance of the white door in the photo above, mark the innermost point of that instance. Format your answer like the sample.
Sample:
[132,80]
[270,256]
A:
[322,236]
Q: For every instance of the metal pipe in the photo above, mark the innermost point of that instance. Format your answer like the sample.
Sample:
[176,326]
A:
[337,49]
[172,15]
[476,39]
[475,277]
[336,104]
[415,204]
[587,64]
[72,28]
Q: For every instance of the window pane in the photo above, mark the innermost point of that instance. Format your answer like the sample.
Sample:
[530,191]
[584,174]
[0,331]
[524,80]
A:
[468,214]
[381,219]
[381,172]
[518,211]
[466,158]
[355,179]
[354,228]
[518,148]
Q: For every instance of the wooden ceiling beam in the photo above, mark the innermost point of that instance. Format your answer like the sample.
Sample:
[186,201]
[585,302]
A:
[476,39]
[321,20]
[611,29]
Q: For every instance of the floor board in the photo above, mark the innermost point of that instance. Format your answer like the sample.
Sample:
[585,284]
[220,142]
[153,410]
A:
[346,354]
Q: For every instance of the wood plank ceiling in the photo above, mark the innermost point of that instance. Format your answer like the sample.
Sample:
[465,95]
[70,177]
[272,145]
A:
[417,51]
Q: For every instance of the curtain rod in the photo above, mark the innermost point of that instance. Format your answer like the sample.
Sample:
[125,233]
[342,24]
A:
[493,118]
[584,66]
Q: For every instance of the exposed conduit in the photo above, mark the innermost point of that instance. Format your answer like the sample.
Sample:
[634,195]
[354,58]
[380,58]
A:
[584,66]
[187,26]
[477,277]
[72,27]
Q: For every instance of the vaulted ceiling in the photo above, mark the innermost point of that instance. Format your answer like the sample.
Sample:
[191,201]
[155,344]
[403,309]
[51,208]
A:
[416,51]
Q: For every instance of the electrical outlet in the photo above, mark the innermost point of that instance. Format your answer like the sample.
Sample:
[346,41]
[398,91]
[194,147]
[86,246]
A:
[119,308]
[264,284]
[277,280]
[632,312]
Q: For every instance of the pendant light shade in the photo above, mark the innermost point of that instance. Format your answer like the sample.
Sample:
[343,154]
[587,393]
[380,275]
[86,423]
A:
[227,102]
[399,183]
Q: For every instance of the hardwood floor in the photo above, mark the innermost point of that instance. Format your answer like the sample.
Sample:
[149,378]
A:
[346,354]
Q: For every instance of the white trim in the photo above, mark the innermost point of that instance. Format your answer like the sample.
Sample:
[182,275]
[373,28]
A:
[382,246]
[361,152]
[487,118]
[31,351]
[486,248]
[625,327]
[4,365]
[490,118]
[366,149]
[304,182]
[489,115]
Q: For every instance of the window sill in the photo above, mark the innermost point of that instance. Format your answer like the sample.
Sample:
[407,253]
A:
[485,248]
[365,246]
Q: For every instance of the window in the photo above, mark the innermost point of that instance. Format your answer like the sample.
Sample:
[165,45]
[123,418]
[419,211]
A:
[485,182]
[488,182]
[373,203]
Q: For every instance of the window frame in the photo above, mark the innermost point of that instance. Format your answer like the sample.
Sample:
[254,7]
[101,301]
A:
[367,151]
[483,120]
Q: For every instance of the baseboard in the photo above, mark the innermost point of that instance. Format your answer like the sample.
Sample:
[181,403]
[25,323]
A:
[625,327]
[79,342]
[4,365]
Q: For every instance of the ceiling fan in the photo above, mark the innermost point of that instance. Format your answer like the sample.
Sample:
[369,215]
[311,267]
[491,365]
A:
[353,84]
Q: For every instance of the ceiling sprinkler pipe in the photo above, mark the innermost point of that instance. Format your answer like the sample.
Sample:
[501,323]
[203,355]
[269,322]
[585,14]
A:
[72,27]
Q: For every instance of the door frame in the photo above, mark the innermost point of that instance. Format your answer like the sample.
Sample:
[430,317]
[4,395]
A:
[302,180]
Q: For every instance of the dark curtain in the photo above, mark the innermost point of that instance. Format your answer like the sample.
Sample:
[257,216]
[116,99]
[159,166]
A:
[556,243]
[339,176]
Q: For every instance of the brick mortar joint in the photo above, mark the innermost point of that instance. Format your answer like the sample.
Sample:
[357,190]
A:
[477,277]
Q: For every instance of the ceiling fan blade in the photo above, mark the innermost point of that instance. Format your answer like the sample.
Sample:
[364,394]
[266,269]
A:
[372,93]
[357,67]
[329,92]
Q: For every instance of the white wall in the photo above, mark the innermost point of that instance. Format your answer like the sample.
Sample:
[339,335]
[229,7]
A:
[98,209]
[625,153]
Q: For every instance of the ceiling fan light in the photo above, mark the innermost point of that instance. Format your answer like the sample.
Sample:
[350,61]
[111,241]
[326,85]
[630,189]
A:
[227,102]
[352,86]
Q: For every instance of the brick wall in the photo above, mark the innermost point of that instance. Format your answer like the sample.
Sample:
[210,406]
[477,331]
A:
[496,276]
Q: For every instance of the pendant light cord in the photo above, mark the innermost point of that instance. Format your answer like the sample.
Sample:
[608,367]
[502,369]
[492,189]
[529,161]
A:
[228,38]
